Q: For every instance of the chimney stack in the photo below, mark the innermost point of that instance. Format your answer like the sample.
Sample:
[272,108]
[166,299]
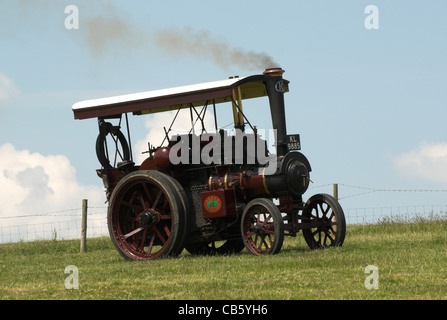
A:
[275,89]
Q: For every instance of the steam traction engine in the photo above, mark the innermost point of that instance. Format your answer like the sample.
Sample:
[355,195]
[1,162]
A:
[212,193]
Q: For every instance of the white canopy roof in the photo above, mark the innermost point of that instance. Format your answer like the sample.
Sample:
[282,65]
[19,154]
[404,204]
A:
[173,98]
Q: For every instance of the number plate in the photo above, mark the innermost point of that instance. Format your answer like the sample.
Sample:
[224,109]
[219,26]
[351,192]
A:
[293,142]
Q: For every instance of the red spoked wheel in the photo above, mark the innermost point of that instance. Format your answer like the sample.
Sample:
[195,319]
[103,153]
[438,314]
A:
[326,220]
[262,227]
[146,216]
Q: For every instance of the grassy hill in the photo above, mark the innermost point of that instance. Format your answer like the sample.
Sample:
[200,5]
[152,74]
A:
[411,259]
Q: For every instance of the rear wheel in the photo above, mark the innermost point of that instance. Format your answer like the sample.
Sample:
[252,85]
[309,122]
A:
[146,216]
[262,227]
[327,226]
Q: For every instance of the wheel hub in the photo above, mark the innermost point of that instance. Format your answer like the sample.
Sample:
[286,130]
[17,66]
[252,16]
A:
[148,218]
[257,229]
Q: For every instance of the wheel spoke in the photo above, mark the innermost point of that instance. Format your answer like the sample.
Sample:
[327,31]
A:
[131,205]
[160,236]
[167,230]
[165,205]
[269,232]
[334,231]
[270,239]
[143,202]
[151,243]
[133,232]
[131,219]
[325,239]
[323,210]
[312,215]
[319,237]
[266,219]
[155,203]
[332,217]
[260,244]
[331,240]
[143,240]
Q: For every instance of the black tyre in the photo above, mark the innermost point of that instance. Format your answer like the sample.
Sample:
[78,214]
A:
[184,228]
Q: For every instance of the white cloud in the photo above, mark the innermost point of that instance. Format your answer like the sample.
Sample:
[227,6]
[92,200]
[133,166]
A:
[156,133]
[32,184]
[427,162]
[7,88]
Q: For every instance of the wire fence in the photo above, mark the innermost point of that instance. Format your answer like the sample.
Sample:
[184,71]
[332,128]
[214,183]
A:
[360,191]
[66,224]
[410,214]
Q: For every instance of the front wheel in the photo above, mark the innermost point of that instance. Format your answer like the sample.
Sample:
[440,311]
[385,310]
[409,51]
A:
[262,227]
[326,222]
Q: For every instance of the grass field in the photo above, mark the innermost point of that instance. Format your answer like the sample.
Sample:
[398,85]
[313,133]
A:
[411,259]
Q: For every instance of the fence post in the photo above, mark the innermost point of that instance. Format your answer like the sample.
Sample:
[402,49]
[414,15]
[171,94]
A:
[335,190]
[84,226]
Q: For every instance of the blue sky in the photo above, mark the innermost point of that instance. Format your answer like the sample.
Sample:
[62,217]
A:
[370,105]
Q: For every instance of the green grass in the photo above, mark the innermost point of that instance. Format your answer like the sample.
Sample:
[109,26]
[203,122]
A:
[411,259]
